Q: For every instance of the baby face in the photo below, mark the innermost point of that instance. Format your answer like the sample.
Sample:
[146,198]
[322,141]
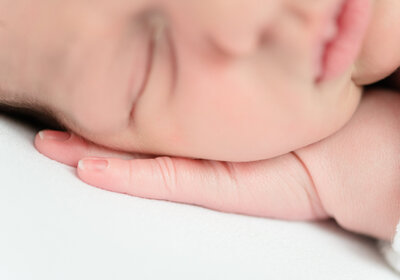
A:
[228,80]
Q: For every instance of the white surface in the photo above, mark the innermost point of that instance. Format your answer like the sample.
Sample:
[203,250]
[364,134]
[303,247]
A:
[55,227]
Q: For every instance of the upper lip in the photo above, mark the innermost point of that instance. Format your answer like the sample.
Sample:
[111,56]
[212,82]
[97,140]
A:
[342,49]
[329,29]
[331,26]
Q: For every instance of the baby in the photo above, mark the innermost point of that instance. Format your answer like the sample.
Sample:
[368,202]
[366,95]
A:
[263,87]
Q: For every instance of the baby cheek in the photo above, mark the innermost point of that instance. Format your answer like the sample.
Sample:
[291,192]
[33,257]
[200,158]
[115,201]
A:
[97,115]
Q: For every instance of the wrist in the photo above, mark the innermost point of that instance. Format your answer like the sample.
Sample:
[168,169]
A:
[356,171]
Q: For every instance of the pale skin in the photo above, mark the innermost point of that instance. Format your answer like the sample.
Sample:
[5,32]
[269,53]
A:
[209,97]
[352,176]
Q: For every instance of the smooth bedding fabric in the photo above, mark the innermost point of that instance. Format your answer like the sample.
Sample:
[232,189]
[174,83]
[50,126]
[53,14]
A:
[55,227]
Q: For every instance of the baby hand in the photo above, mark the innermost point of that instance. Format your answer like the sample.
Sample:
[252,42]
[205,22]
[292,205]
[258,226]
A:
[352,176]
[279,187]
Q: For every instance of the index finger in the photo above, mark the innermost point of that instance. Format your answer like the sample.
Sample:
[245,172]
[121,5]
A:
[278,188]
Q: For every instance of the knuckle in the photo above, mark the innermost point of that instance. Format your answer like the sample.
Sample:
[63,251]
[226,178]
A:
[165,168]
[128,180]
[228,192]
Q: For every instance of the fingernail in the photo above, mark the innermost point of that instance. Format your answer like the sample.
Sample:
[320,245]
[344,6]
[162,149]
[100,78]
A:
[93,164]
[54,135]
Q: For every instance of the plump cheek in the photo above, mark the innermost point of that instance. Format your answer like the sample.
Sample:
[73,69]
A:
[378,60]
[246,129]
[96,114]
[236,132]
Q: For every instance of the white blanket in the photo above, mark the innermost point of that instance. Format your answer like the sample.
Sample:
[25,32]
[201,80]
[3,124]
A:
[55,227]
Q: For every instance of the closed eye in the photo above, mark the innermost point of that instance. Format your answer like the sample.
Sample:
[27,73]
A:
[151,45]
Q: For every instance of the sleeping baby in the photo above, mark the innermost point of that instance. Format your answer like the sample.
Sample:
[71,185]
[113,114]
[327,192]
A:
[252,107]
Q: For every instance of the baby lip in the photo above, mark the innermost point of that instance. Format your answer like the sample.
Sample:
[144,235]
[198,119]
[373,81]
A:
[328,33]
[342,50]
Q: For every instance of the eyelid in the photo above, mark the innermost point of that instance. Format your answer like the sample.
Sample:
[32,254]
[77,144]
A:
[154,29]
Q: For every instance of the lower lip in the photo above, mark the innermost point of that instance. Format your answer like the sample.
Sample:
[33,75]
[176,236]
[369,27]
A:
[340,53]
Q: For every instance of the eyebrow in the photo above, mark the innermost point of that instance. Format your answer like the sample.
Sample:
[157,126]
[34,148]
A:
[38,115]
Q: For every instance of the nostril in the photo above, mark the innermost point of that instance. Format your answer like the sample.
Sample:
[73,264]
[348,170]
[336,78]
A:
[240,44]
[266,36]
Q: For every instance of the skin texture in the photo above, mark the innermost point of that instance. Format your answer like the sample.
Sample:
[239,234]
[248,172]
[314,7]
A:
[379,60]
[352,176]
[218,89]
[216,86]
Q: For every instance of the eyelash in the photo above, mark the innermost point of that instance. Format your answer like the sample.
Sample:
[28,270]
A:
[151,38]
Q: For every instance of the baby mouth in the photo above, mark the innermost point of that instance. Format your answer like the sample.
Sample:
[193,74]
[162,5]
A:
[342,39]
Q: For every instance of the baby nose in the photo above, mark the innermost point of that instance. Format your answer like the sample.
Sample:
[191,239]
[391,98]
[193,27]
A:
[234,27]
[238,42]
[239,29]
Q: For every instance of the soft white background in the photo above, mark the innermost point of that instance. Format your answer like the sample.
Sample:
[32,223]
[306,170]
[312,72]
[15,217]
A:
[55,227]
